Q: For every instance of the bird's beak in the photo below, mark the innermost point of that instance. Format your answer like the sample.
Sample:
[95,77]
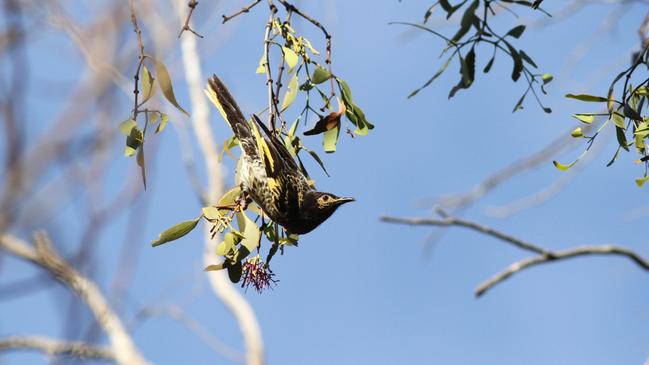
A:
[346,200]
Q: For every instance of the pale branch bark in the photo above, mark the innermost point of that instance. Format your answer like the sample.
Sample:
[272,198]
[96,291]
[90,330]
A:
[544,255]
[54,347]
[560,255]
[43,255]
[219,281]
[177,314]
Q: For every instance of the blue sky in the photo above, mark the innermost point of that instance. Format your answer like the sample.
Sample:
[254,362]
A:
[360,291]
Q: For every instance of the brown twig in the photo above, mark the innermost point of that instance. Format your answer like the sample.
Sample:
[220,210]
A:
[560,255]
[245,9]
[53,347]
[192,4]
[272,98]
[544,255]
[459,222]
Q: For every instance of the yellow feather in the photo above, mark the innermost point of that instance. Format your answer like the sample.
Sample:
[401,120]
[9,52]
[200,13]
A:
[215,100]
[263,146]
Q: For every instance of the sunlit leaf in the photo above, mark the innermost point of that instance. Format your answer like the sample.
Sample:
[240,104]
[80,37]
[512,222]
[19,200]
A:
[585,117]
[148,86]
[586,97]
[577,132]
[126,126]
[164,81]
[320,75]
[211,213]
[517,31]
[140,162]
[215,267]
[175,232]
[330,139]
[563,167]
[291,92]
[641,181]
[164,119]
[290,56]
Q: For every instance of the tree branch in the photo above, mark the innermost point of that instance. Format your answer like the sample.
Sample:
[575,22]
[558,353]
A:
[560,255]
[55,347]
[219,281]
[453,221]
[544,255]
[44,256]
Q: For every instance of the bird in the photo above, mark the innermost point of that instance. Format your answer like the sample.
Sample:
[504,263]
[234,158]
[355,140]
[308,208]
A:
[269,175]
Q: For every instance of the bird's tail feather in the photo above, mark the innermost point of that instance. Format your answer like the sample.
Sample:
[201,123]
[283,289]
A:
[225,103]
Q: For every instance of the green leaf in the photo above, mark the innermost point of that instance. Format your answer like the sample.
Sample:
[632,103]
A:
[631,113]
[261,68]
[164,81]
[230,240]
[140,162]
[147,80]
[329,140]
[133,141]
[516,32]
[487,68]
[291,57]
[175,232]
[211,213]
[250,231]
[126,126]
[547,78]
[577,132]
[164,119]
[527,59]
[345,91]
[618,119]
[641,181]
[435,76]
[586,97]
[563,167]
[518,63]
[216,267]
[317,159]
[585,117]
[234,272]
[320,75]
[621,138]
[291,92]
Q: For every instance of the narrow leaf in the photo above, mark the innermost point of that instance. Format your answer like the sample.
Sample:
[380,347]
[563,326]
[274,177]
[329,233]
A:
[164,80]
[175,232]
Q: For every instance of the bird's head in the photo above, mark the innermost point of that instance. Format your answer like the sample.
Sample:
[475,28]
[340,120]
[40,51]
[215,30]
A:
[316,207]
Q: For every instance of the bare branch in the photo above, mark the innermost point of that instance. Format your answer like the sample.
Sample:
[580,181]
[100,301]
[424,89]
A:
[44,256]
[243,10]
[560,255]
[219,281]
[55,347]
[544,255]
[453,221]
[192,4]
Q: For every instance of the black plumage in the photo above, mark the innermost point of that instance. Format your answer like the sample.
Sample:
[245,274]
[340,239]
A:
[269,174]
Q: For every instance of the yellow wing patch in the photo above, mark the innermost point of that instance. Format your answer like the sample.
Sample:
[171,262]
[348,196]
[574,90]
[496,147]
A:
[262,146]
[211,94]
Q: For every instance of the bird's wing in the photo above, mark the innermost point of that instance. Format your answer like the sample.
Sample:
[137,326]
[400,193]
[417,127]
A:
[283,161]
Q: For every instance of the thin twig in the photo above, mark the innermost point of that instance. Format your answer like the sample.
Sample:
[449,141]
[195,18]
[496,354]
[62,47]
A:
[44,256]
[192,4]
[53,347]
[245,9]
[544,255]
[218,280]
[459,222]
[560,255]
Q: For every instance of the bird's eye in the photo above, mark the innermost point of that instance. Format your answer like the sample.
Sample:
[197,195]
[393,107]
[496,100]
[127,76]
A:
[325,198]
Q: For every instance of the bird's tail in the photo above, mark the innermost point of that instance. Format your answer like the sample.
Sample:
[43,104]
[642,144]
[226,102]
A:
[224,102]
